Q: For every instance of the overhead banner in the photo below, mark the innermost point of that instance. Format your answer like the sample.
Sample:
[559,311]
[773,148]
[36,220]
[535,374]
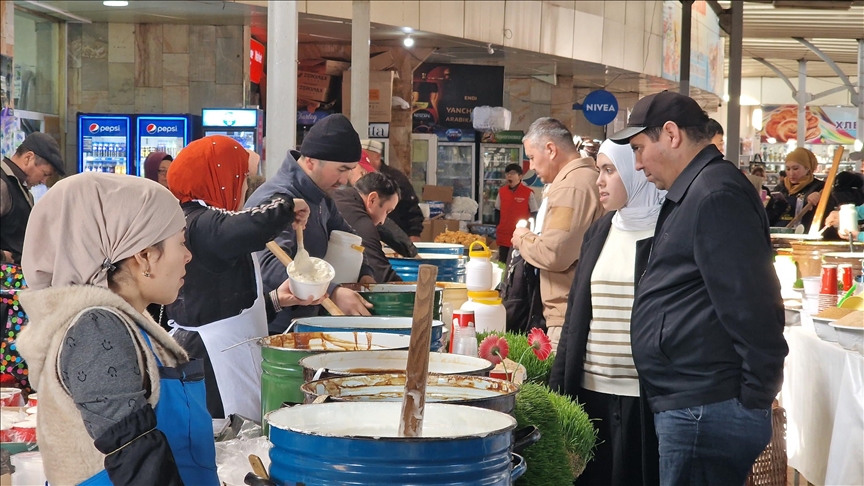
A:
[826,125]
[444,96]
[706,46]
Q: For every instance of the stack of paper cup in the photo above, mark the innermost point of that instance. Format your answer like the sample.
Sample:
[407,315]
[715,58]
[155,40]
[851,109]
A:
[828,292]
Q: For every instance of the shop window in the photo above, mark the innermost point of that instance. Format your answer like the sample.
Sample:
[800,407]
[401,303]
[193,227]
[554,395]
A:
[36,63]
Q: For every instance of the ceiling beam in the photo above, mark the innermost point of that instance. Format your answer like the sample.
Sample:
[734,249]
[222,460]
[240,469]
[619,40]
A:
[834,66]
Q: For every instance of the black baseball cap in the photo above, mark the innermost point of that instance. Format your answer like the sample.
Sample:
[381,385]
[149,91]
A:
[46,147]
[513,168]
[655,110]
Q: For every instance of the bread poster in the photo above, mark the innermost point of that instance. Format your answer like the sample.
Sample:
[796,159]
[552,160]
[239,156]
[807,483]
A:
[825,125]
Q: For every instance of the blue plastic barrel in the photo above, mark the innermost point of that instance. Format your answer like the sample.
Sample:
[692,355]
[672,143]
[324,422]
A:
[440,248]
[451,268]
[358,443]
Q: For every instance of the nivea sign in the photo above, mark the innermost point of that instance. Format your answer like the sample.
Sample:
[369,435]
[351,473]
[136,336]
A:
[600,107]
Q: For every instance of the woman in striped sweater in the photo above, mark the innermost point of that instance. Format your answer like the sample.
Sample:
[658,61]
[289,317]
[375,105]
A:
[594,362]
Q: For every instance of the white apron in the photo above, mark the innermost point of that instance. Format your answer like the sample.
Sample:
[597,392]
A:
[237,370]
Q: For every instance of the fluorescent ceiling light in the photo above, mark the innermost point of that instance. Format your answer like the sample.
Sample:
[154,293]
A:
[408,41]
[115,3]
[407,30]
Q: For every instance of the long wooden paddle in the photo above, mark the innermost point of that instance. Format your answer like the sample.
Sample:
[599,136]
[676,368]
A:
[816,225]
[283,257]
[414,398]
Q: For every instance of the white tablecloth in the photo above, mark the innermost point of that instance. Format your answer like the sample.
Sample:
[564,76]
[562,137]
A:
[823,394]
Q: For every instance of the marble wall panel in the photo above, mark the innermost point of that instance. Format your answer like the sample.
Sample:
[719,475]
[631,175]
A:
[94,74]
[94,102]
[121,83]
[229,60]
[228,95]
[201,95]
[443,17]
[202,58]
[175,69]
[229,31]
[148,56]
[175,99]
[94,41]
[73,45]
[148,100]
[121,42]
[175,39]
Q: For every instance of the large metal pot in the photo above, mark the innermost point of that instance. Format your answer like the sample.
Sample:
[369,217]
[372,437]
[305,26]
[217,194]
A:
[476,391]
[808,254]
[390,325]
[395,299]
[440,248]
[365,363]
[358,443]
[281,375]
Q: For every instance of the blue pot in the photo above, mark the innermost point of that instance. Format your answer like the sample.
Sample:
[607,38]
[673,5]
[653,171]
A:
[389,325]
[440,248]
[451,268]
[357,443]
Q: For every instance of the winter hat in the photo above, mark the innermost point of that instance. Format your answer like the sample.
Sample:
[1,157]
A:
[373,146]
[332,139]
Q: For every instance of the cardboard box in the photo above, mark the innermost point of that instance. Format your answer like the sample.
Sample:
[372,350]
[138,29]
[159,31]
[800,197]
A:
[438,226]
[381,62]
[315,87]
[438,193]
[324,66]
[380,95]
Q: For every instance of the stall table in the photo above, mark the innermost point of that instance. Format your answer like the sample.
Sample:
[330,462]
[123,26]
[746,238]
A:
[823,394]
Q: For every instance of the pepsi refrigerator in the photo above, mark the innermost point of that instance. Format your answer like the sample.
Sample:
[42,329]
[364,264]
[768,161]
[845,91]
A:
[163,133]
[245,125]
[105,143]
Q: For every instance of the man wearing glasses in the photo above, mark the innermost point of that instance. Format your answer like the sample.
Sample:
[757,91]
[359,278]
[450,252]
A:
[35,160]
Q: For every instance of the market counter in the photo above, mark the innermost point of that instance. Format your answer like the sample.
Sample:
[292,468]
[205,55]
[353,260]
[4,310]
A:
[823,394]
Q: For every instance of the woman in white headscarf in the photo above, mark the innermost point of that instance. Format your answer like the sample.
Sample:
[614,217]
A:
[119,401]
[594,363]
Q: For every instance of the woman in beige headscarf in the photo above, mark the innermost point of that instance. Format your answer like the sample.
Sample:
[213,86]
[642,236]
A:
[800,188]
[116,393]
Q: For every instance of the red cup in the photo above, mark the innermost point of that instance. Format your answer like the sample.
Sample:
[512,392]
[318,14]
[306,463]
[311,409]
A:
[461,318]
[829,280]
[11,397]
[6,434]
[845,271]
[32,400]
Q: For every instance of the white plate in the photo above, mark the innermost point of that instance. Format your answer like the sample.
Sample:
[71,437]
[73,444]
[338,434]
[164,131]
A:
[824,330]
[849,337]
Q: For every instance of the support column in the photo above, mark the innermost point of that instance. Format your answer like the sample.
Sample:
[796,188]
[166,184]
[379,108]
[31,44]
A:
[360,67]
[802,102]
[283,24]
[860,133]
[733,107]
[686,29]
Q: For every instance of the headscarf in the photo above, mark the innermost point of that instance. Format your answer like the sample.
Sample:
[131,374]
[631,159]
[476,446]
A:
[90,221]
[643,198]
[211,169]
[152,163]
[805,158]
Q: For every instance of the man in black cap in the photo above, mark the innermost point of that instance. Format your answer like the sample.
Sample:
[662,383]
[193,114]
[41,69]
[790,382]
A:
[35,160]
[327,155]
[707,322]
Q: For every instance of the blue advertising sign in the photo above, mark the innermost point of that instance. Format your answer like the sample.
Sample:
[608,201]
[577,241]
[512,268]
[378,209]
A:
[600,107]
[104,144]
[304,117]
[162,127]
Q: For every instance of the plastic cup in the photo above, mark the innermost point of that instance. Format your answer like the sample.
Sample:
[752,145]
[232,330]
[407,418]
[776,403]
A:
[309,290]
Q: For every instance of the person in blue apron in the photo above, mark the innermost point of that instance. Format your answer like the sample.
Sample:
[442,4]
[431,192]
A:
[120,402]
[222,307]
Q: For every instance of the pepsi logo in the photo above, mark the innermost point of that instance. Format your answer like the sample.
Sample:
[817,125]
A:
[94,128]
[151,128]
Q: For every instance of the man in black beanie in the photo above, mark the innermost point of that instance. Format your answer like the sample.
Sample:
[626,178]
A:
[329,152]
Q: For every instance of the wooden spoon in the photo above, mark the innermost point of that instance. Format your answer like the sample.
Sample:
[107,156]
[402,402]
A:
[302,260]
[283,257]
[414,399]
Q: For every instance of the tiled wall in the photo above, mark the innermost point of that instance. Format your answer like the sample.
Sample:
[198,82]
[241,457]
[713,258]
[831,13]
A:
[151,68]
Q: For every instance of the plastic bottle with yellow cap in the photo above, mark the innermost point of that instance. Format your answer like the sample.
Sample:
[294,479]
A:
[489,312]
[478,270]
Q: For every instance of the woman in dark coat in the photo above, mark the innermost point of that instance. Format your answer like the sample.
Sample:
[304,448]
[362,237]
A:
[594,362]
[799,188]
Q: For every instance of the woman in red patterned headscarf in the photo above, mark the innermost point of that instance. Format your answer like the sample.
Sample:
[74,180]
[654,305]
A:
[222,301]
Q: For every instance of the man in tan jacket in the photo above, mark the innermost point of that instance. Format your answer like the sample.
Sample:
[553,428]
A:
[571,202]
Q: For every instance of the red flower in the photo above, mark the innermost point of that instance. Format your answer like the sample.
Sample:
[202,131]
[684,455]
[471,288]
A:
[540,344]
[494,348]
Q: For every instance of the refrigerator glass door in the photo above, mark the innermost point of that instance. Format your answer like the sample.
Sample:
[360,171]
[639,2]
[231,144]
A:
[160,134]
[495,159]
[422,153]
[456,168]
[243,136]
[104,144]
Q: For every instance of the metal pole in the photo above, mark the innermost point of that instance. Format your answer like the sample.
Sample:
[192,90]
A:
[802,102]
[860,127]
[733,107]
[686,29]
[282,27]
[360,67]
